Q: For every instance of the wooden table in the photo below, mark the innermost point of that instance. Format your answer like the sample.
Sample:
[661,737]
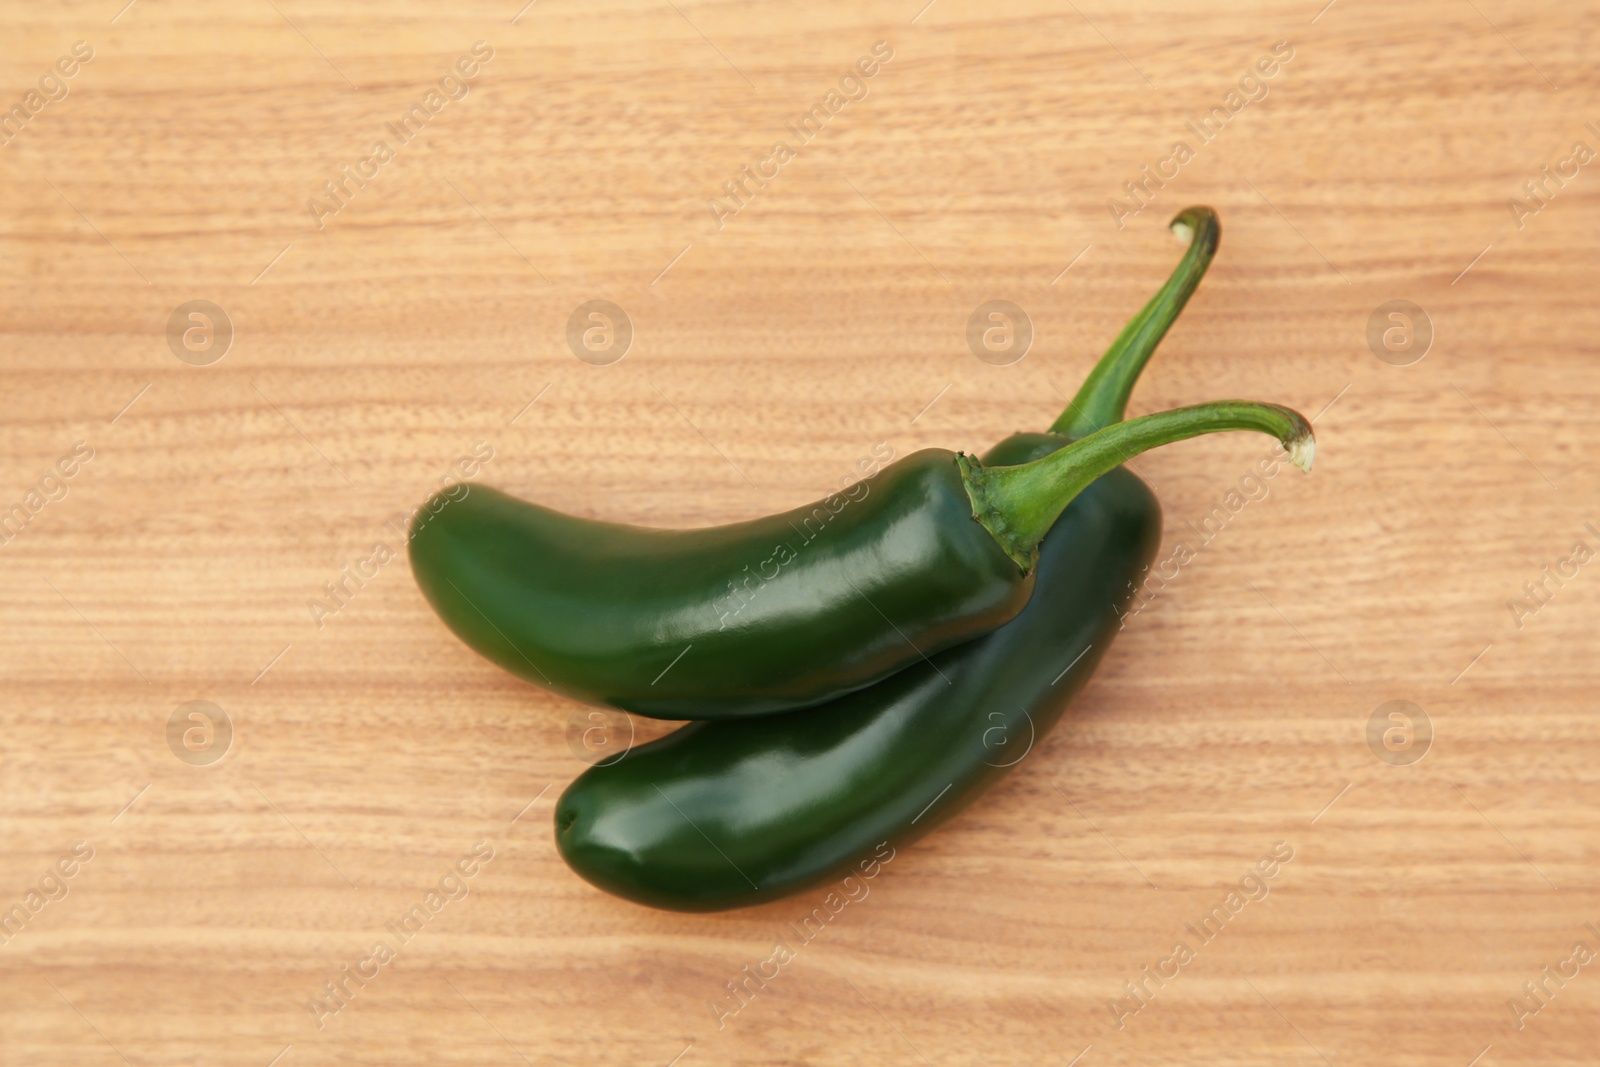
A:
[381,334]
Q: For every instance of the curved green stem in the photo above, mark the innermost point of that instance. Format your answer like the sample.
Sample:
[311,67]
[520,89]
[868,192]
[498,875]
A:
[1103,397]
[1018,505]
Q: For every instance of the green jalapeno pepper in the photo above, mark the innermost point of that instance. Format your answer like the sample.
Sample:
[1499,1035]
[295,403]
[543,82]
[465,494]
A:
[667,623]
[727,814]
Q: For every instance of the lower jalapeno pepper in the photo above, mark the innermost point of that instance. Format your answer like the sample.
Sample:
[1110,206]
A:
[722,815]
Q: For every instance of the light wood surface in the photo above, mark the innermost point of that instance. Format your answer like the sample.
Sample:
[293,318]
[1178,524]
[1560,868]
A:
[369,755]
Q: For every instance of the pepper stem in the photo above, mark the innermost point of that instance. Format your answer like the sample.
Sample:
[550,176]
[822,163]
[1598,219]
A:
[1018,505]
[1103,397]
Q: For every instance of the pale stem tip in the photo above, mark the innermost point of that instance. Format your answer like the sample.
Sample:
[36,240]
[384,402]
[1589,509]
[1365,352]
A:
[1302,452]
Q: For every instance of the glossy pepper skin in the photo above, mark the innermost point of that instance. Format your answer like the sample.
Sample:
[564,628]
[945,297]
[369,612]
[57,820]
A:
[724,815]
[729,621]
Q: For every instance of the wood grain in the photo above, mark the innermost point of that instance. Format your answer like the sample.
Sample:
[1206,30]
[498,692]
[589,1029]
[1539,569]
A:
[370,753]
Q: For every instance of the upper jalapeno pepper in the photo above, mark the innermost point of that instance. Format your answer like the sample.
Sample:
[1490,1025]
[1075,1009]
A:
[934,550]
